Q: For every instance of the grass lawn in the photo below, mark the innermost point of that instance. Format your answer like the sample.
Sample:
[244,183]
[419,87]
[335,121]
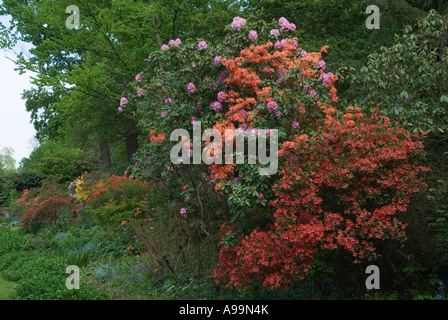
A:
[6,289]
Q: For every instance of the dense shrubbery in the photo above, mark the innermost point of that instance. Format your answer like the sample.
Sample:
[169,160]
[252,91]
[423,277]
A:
[348,177]
[408,81]
[247,83]
[49,206]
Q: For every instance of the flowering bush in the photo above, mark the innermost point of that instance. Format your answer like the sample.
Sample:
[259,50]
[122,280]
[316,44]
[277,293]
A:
[46,206]
[344,191]
[112,199]
[343,177]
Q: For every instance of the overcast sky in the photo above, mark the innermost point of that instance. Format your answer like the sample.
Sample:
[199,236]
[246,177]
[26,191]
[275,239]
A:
[16,131]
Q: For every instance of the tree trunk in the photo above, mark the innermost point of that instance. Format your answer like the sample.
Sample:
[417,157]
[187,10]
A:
[105,155]
[131,146]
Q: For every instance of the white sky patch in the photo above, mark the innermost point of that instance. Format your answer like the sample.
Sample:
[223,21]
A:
[16,131]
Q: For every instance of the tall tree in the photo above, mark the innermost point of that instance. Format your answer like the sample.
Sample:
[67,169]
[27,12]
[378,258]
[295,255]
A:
[83,72]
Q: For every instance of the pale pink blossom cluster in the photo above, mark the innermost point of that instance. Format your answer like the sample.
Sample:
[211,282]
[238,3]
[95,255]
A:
[202,45]
[321,64]
[221,96]
[327,78]
[275,32]
[272,105]
[218,60]
[169,100]
[216,105]
[176,42]
[123,101]
[140,92]
[281,44]
[286,25]
[164,47]
[253,35]
[191,87]
[138,78]
[238,23]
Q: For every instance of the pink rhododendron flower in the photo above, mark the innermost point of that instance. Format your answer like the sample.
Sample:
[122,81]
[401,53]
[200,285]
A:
[218,59]
[169,100]
[164,113]
[253,35]
[278,113]
[221,96]
[193,119]
[326,78]
[260,196]
[217,106]
[303,53]
[272,105]
[120,109]
[176,42]
[295,124]
[149,57]
[191,87]
[202,45]
[185,187]
[123,101]
[140,92]
[275,32]
[321,64]
[280,44]
[164,47]
[313,93]
[283,22]
[138,78]
[243,128]
[183,211]
[238,23]
[291,27]
[268,132]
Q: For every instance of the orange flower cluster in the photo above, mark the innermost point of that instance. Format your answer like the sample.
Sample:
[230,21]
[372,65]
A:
[246,75]
[155,138]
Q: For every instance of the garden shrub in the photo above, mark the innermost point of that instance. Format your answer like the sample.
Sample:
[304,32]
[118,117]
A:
[344,177]
[50,206]
[408,81]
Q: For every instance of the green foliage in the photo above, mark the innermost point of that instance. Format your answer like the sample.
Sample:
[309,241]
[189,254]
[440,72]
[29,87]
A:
[408,81]
[114,213]
[57,161]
